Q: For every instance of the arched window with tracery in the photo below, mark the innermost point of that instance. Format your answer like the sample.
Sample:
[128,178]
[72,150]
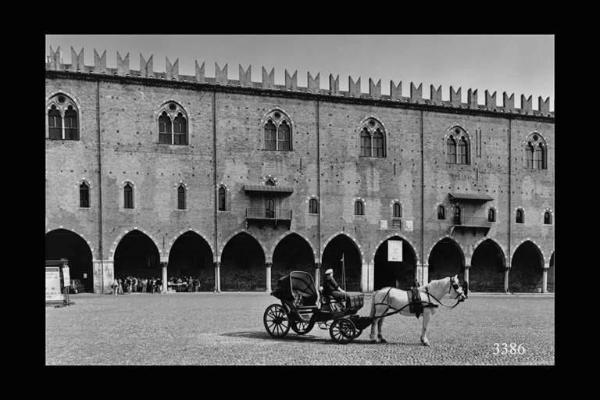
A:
[128,195]
[458,148]
[359,207]
[397,210]
[520,216]
[536,155]
[451,150]
[84,195]
[372,139]
[221,198]
[63,118]
[181,197]
[172,124]
[278,131]
[313,206]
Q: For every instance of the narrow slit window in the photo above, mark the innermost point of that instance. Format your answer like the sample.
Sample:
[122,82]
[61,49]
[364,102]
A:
[359,208]
[441,212]
[84,195]
[397,210]
[222,193]
[313,206]
[128,196]
[520,216]
[181,197]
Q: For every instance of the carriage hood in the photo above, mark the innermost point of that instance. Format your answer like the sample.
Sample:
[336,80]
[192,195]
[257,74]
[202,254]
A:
[296,283]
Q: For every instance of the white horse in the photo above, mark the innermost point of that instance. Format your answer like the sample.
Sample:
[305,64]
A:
[388,300]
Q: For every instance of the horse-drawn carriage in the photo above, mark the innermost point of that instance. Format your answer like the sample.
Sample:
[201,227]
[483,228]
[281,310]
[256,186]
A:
[302,307]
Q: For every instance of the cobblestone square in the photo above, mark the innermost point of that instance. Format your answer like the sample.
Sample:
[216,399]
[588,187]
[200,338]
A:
[227,329]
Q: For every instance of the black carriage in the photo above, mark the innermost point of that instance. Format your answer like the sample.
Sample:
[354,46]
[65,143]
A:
[302,307]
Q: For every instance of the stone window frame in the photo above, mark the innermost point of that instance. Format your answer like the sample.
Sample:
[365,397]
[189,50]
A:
[277,116]
[89,189]
[533,141]
[178,186]
[133,195]
[495,214]
[457,134]
[313,200]
[440,207]
[226,199]
[362,205]
[548,212]
[369,126]
[172,114]
[521,211]
[69,101]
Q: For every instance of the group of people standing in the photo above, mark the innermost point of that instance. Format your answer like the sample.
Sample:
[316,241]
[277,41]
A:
[183,284]
[131,284]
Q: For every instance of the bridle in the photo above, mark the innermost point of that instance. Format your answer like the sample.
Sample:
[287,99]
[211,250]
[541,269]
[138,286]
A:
[453,285]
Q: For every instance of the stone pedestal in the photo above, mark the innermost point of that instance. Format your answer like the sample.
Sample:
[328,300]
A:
[268,270]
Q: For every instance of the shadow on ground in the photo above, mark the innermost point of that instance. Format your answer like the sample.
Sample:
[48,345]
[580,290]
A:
[307,339]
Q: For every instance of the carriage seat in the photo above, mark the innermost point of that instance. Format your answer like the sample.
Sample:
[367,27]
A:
[331,302]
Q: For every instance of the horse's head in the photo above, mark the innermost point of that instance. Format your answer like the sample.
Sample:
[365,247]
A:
[460,293]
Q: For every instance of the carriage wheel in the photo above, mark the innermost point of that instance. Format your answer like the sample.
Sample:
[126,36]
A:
[342,330]
[302,327]
[276,321]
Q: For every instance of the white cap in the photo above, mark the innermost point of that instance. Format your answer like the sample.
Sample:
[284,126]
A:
[329,271]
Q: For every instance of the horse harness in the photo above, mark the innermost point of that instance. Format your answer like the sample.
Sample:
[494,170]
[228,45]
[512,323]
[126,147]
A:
[415,304]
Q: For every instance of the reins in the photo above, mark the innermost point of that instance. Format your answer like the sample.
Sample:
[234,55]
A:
[424,303]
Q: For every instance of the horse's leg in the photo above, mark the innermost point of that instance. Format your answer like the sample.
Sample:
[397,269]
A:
[426,316]
[374,321]
[380,338]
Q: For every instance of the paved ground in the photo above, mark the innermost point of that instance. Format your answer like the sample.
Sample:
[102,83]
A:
[227,329]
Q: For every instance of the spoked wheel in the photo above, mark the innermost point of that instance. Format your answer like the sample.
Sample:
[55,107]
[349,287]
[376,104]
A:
[302,327]
[276,321]
[342,330]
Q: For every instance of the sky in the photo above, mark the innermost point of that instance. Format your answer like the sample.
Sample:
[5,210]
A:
[520,64]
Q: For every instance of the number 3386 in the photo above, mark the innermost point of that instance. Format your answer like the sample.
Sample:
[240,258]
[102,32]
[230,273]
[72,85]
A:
[508,348]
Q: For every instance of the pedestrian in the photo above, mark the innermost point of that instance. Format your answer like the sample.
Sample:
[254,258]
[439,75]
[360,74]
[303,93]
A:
[120,285]
[144,285]
[115,287]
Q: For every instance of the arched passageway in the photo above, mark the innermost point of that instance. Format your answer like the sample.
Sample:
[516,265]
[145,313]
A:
[243,265]
[137,256]
[550,287]
[332,258]
[446,259]
[191,257]
[398,274]
[292,253]
[62,243]
[487,268]
[526,271]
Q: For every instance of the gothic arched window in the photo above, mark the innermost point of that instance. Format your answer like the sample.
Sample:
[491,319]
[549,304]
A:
[128,195]
[372,139]
[278,131]
[172,124]
[84,195]
[359,207]
[313,206]
[222,198]
[181,197]
[458,148]
[63,118]
[536,152]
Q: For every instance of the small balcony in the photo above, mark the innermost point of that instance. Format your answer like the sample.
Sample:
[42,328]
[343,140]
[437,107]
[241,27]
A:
[475,223]
[262,215]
